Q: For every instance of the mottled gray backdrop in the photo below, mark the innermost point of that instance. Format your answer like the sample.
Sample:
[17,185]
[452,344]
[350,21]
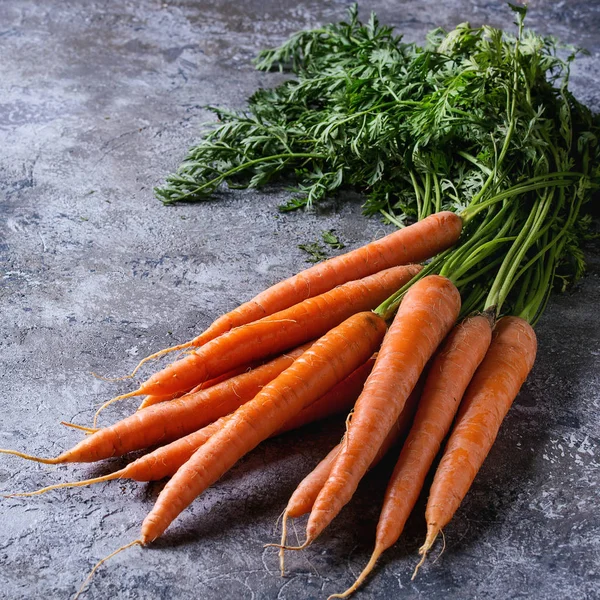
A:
[100,99]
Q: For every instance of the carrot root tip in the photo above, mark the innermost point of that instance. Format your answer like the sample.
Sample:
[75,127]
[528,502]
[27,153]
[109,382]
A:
[432,533]
[80,427]
[158,355]
[283,541]
[109,402]
[102,561]
[68,484]
[45,461]
[361,578]
[307,543]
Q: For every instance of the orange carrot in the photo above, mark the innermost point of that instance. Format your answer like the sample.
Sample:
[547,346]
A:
[339,399]
[412,244]
[303,498]
[165,460]
[171,420]
[331,358]
[156,465]
[278,332]
[328,361]
[426,314]
[447,379]
[490,394]
[151,400]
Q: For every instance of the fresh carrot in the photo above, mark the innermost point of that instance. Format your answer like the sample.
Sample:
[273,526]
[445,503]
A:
[426,314]
[171,420]
[151,400]
[447,379]
[327,362]
[278,332]
[412,244]
[156,465]
[331,358]
[490,394]
[339,399]
[165,460]
[304,496]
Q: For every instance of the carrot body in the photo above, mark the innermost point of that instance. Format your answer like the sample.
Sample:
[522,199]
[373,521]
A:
[151,400]
[490,394]
[412,244]
[171,420]
[339,399]
[448,377]
[303,498]
[427,313]
[165,460]
[329,360]
[278,332]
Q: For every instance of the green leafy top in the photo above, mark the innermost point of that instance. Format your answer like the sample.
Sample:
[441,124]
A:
[477,121]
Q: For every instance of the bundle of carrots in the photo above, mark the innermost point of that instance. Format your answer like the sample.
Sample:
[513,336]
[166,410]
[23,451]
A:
[434,349]
[345,347]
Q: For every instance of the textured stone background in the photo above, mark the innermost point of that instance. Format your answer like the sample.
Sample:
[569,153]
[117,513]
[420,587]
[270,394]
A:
[98,100]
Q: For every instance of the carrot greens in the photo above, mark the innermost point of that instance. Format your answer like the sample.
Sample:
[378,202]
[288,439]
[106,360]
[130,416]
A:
[477,120]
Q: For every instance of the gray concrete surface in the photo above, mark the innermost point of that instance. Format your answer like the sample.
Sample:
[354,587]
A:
[98,100]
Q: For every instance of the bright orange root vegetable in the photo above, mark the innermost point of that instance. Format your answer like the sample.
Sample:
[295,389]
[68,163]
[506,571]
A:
[327,362]
[339,399]
[490,394]
[278,332]
[171,420]
[151,400]
[164,461]
[303,498]
[447,379]
[427,313]
[413,244]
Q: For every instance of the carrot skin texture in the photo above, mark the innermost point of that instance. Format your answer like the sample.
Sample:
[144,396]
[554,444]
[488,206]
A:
[488,398]
[427,313]
[278,332]
[412,244]
[171,420]
[151,400]
[329,360]
[164,461]
[450,374]
[303,498]
[340,398]
[305,494]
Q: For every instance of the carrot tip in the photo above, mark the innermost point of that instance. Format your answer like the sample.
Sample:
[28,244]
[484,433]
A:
[432,533]
[46,461]
[110,379]
[158,355]
[80,427]
[109,402]
[361,578]
[144,404]
[283,541]
[69,484]
[307,543]
[101,562]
